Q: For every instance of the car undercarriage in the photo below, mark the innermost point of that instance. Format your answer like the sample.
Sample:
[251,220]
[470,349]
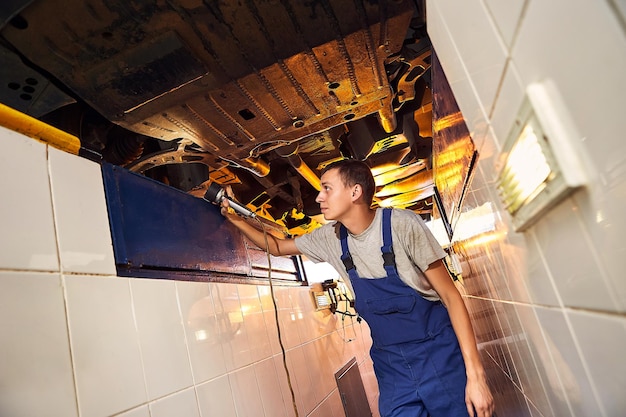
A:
[255,95]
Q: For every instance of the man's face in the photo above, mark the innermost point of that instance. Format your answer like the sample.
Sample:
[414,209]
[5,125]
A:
[335,199]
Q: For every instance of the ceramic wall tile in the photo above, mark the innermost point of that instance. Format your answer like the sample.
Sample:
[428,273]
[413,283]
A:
[320,371]
[301,369]
[283,297]
[488,263]
[620,10]
[215,398]
[182,403]
[28,238]
[246,392]
[161,336]
[233,330]
[324,322]
[287,381]
[324,409]
[36,376]
[514,255]
[289,322]
[370,384]
[509,400]
[488,154]
[273,329]
[81,216]
[336,406]
[443,44]
[577,391]
[304,300]
[438,34]
[487,193]
[274,400]
[269,315]
[455,71]
[600,209]
[546,382]
[314,324]
[105,345]
[601,339]
[566,250]
[258,337]
[202,329]
[301,314]
[507,15]
[480,47]
[538,280]
[473,282]
[142,411]
[504,349]
[249,298]
[346,344]
[265,296]
[534,411]
[507,105]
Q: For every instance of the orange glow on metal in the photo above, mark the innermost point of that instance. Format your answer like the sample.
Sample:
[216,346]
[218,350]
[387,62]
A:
[385,174]
[420,180]
[407,199]
[448,121]
[483,239]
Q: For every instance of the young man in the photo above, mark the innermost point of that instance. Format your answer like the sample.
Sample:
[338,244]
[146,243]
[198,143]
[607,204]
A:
[424,349]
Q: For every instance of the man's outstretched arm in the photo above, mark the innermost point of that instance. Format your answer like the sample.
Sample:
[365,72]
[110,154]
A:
[276,246]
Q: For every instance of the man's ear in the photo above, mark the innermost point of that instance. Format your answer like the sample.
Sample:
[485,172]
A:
[356,192]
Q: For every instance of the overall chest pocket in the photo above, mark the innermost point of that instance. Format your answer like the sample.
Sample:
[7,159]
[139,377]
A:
[397,304]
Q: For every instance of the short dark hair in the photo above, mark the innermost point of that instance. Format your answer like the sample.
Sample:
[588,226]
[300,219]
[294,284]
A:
[354,172]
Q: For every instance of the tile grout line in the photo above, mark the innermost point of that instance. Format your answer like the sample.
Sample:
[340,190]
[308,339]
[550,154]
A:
[186,336]
[564,308]
[138,340]
[62,283]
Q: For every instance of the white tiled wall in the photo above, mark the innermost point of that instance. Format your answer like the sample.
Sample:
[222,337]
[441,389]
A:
[549,305]
[79,341]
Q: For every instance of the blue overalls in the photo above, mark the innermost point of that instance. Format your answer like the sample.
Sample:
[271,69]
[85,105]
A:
[416,355]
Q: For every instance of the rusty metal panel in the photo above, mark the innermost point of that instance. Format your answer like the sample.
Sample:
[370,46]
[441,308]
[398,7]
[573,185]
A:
[254,71]
[256,94]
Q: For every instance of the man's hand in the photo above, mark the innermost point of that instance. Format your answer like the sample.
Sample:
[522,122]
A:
[229,213]
[275,246]
[225,209]
[478,398]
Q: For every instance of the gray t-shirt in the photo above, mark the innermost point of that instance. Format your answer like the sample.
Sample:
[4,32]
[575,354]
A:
[414,246]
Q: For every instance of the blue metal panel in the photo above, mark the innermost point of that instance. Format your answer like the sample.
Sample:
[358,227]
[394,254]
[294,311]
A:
[159,231]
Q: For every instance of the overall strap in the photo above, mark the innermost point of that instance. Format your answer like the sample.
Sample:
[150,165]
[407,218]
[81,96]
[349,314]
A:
[389,259]
[346,258]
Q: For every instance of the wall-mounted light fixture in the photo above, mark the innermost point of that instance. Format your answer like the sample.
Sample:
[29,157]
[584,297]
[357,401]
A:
[539,164]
